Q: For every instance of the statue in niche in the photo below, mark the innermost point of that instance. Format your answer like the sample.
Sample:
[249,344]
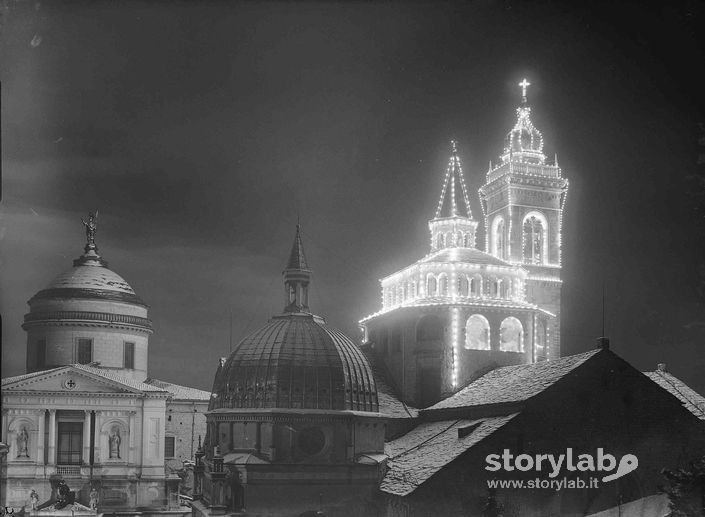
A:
[22,443]
[33,500]
[93,499]
[114,440]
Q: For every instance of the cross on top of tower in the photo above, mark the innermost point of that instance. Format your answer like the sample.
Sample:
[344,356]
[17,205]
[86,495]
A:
[524,85]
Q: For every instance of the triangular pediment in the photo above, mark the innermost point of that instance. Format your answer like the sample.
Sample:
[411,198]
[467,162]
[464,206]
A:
[68,379]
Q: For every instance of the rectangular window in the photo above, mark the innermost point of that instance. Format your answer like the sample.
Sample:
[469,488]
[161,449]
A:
[70,443]
[41,351]
[85,351]
[169,443]
[130,355]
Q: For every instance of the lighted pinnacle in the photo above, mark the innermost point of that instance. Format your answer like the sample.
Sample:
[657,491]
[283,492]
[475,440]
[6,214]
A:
[524,84]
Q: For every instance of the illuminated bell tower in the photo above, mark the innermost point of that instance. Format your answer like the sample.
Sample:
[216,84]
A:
[523,202]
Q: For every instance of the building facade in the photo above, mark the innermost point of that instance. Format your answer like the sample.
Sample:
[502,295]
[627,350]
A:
[460,311]
[86,411]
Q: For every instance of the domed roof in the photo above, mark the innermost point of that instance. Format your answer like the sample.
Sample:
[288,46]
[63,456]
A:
[89,278]
[524,142]
[296,362]
[523,136]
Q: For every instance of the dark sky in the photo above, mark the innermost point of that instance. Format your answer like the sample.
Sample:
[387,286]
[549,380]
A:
[201,130]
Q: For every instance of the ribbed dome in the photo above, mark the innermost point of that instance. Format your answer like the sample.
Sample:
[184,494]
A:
[296,362]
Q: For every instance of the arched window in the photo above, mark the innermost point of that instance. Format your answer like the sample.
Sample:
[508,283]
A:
[477,333]
[476,285]
[499,238]
[534,246]
[466,240]
[494,287]
[431,285]
[440,241]
[458,240]
[463,285]
[505,288]
[443,284]
[511,335]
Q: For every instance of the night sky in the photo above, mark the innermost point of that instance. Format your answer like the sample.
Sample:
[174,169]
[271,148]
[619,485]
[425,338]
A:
[201,131]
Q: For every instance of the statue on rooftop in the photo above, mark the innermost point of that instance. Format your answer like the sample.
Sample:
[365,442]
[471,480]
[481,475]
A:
[91,227]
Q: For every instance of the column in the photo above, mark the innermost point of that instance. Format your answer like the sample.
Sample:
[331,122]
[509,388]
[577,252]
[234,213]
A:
[86,436]
[52,437]
[41,416]
[4,438]
[98,436]
[131,439]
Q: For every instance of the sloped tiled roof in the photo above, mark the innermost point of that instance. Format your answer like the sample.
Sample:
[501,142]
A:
[692,400]
[179,392]
[100,372]
[109,374]
[389,401]
[465,255]
[415,457]
[514,383]
[25,376]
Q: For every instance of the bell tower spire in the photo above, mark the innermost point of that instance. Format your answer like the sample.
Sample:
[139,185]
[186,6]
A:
[453,225]
[523,201]
[297,277]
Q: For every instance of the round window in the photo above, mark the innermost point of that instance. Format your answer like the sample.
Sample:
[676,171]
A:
[311,440]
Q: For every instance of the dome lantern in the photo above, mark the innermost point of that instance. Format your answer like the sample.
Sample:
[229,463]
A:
[524,143]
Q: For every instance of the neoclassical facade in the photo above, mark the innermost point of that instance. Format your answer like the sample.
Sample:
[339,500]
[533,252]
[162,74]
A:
[461,311]
[86,410]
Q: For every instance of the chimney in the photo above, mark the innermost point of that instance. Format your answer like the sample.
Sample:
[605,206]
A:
[661,367]
[603,343]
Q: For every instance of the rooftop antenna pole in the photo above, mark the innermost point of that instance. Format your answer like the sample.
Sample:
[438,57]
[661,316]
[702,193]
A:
[231,330]
[603,307]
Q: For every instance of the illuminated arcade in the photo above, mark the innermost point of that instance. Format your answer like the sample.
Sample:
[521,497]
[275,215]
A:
[460,311]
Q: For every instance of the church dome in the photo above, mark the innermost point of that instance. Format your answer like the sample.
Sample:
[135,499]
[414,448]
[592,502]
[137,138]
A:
[89,278]
[89,314]
[296,361]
